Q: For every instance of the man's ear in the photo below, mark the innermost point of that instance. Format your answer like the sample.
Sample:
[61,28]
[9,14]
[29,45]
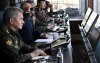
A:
[11,20]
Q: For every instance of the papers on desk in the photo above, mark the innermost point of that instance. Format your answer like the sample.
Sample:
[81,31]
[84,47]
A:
[40,57]
[44,40]
[54,39]
[55,28]
[60,28]
[50,39]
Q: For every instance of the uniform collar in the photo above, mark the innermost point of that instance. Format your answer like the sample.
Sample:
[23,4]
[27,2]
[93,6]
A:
[39,9]
[8,30]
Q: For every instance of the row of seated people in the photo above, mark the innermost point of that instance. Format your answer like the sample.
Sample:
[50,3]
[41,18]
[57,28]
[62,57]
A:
[91,35]
[29,25]
[37,22]
[13,48]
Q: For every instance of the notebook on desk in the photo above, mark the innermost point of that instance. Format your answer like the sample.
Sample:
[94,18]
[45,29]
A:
[48,40]
[60,41]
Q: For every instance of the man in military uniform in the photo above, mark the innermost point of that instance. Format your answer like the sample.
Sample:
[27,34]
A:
[40,12]
[49,7]
[12,48]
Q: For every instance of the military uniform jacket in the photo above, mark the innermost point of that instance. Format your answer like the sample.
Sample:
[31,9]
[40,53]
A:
[41,26]
[41,15]
[12,48]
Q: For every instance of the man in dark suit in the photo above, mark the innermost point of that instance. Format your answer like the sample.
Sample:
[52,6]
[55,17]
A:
[29,33]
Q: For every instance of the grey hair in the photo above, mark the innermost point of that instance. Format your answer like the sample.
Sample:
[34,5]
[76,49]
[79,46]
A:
[11,12]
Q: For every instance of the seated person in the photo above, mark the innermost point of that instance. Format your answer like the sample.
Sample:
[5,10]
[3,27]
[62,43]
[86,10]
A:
[49,9]
[40,12]
[39,25]
[12,48]
[28,32]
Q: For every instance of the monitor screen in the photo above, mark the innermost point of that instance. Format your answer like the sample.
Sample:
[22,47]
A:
[90,22]
[97,25]
[87,15]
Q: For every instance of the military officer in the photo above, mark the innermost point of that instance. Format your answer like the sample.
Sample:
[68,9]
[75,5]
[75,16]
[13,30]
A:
[12,48]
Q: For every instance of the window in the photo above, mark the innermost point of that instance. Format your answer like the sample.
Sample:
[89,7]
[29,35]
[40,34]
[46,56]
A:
[21,0]
[62,4]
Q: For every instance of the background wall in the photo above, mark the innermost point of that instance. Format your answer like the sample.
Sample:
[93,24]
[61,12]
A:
[96,6]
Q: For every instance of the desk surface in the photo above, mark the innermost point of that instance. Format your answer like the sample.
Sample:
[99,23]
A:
[76,17]
[68,49]
[51,37]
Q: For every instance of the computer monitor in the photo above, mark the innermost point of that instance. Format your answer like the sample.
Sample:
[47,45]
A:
[90,22]
[97,51]
[86,17]
[93,37]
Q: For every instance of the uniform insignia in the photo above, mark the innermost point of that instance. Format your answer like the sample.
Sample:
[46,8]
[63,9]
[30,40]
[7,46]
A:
[16,46]
[7,31]
[9,42]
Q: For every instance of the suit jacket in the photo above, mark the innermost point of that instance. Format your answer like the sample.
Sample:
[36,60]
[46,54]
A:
[28,32]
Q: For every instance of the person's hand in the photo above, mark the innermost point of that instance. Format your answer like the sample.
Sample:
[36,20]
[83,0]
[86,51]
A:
[59,21]
[50,26]
[44,35]
[37,52]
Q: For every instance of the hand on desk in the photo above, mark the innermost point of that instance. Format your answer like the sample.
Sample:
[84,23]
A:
[37,52]
[50,26]
[44,35]
[62,29]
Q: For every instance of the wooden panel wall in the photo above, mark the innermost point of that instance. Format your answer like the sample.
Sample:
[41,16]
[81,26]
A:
[90,3]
